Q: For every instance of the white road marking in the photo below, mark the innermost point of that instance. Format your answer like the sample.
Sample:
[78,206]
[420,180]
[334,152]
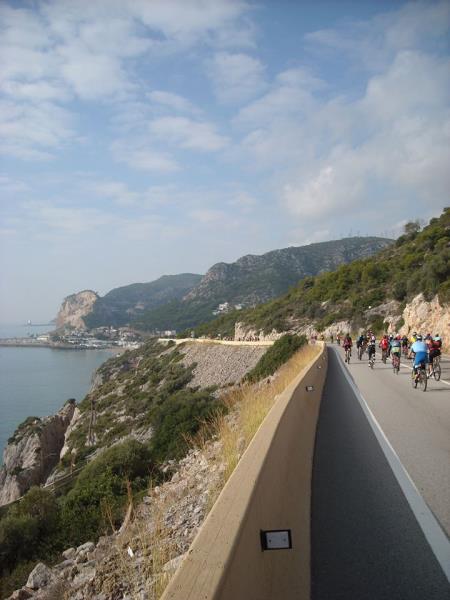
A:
[434,534]
[410,368]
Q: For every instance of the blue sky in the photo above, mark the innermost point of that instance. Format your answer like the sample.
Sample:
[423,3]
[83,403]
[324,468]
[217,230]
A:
[149,137]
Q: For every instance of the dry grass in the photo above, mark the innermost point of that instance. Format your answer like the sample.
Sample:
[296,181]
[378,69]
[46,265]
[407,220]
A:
[248,406]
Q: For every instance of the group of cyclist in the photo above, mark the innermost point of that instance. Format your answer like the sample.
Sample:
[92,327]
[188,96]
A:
[422,349]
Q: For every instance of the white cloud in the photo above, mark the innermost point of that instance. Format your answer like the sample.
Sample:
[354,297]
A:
[62,220]
[138,155]
[88,49]
[236,77]
[207,216]
[373,43]
[9,185]
[116,191]
[33,131]
[292,94]
[172,101]
[91,75]
[187,133]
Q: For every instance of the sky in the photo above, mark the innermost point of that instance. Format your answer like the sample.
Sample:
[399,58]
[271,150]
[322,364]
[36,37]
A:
[148,137]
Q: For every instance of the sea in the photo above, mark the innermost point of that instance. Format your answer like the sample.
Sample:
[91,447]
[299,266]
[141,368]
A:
[37,381]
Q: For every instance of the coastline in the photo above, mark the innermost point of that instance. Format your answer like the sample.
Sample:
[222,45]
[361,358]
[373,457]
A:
[30,343]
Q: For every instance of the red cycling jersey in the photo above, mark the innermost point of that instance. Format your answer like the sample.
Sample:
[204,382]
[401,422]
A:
[384,344]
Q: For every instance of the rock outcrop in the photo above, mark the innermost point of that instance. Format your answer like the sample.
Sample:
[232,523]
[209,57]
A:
[427,317]
[74,308]
[33,452]
[243,333]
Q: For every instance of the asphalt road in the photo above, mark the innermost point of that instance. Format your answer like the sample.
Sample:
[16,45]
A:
[366,541]
[416,423]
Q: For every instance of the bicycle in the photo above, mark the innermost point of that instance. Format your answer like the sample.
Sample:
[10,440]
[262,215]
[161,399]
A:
[383,355]
[396,363]
[436,368]
[348,353]
[419,377]
[372,360]
[360,352]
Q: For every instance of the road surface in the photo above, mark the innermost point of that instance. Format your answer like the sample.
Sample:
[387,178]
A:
[367,543]
[416,423]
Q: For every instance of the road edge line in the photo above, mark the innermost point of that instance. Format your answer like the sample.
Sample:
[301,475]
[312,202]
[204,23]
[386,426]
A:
[410,368]
[432,530]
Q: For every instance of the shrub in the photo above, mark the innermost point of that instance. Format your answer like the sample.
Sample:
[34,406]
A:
[178,418]
[275,356]
[100,492]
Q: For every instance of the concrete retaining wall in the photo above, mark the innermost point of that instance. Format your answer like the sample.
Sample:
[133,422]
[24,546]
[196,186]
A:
[269,489]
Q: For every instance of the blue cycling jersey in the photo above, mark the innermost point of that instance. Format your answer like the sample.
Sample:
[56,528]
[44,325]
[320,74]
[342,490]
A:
[421,351]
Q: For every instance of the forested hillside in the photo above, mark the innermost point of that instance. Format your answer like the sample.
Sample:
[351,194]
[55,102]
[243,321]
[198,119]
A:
[419,261]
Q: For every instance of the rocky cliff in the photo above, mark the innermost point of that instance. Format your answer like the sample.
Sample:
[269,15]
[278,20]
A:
[418,315]
[33,452]
[427,317]
[74,308]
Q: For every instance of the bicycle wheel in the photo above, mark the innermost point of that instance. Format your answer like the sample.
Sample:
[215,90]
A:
[437,371]
[413,379]
[423,380]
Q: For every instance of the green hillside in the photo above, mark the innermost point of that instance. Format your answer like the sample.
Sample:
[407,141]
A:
[419,261]
[122,305]
[253,279]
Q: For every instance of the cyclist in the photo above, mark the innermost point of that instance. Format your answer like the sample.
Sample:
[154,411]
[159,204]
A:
[396,348]
[384,345]
[420,351]
[391,337]
[371,346]
[434,349]
[405,344]
[347,343]
[360,343]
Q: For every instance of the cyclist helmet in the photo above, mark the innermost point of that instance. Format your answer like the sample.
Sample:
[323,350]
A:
[419,337]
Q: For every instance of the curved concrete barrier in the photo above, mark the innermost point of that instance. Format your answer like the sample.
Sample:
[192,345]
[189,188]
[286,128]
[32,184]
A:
[269,490]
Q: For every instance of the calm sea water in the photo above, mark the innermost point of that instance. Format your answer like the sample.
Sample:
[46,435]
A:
[37,381]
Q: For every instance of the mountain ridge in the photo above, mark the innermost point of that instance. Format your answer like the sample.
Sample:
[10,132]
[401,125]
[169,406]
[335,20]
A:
[255,279]
[187,299]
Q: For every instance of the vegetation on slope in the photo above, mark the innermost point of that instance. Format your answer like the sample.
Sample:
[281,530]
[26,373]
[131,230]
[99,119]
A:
[143,391]
[417,262]
[252,280]
[281,351]
[121,305]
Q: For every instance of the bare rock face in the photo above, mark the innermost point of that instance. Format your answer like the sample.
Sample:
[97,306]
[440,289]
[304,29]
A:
[40,576]
[427,317]
[33,452]
[74,308]
[244,333]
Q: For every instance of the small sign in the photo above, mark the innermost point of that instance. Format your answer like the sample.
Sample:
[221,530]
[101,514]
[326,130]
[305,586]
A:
[309,388]
[276,539]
